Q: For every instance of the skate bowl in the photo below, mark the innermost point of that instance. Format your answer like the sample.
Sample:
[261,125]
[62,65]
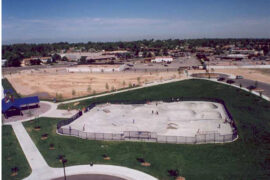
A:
[181,122]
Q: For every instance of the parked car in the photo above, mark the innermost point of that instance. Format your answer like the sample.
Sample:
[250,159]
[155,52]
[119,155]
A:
[239,77]
[221,79]
[230,81]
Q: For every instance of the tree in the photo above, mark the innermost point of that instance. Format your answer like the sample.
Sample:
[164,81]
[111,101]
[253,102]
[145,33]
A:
[144,54]
[112,88]
[56,57]
[165,52]
[138,79]
[89,89]
[73,92]
[83,60]
[58,96]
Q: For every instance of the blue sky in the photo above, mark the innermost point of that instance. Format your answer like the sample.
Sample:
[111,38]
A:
[112,20]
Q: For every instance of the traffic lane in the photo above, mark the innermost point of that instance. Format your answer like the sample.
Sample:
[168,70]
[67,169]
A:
[261,85]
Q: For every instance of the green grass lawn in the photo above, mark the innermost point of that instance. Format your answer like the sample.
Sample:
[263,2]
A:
[12,155]
[247,158]
[6,85]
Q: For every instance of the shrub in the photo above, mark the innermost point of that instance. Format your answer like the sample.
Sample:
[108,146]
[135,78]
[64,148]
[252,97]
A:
[173,172]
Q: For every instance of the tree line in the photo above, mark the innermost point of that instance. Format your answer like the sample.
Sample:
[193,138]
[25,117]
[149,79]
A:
[16,52]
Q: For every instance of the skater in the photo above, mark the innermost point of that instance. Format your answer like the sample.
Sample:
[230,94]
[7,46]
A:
[219,126]
[133,121]
[84,127]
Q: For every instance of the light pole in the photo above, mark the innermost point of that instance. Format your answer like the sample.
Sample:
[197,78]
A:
[63,162]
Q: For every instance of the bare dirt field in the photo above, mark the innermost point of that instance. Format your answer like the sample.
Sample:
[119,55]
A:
[261,75]
[47,83]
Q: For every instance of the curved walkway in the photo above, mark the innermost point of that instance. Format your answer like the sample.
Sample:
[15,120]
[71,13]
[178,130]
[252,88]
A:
[41,170]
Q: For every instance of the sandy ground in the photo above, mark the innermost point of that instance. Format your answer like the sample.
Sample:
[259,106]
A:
[47,83]
[170,119]
[252,74]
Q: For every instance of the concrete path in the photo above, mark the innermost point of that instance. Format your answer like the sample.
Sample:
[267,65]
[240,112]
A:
[41,170]
[37,163]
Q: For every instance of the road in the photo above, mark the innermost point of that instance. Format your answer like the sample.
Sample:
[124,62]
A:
[246,82]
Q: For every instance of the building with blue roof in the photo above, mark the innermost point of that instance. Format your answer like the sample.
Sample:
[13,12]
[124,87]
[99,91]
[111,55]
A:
[13,107]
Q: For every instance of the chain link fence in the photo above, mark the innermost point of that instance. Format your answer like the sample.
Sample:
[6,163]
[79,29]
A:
[149,137]
[207,137]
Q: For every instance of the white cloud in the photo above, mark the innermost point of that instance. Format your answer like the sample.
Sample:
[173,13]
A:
[127,28]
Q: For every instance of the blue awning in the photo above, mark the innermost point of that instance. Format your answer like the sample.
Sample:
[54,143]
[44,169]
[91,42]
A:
[17,103]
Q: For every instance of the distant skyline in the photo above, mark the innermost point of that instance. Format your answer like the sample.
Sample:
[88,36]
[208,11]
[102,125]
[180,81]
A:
[39,21]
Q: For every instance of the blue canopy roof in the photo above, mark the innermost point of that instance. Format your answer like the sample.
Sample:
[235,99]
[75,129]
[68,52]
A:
[8,91]
[17,103]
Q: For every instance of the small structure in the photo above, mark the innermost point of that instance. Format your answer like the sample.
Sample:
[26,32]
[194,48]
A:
[46,59]
[13,107]
[98,68]
[161,59]
[4,61]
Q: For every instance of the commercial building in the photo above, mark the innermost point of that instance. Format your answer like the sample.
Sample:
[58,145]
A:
[161,59]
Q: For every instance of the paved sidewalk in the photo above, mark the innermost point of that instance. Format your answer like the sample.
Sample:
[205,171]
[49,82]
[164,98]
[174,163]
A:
[41,170]
[36,161]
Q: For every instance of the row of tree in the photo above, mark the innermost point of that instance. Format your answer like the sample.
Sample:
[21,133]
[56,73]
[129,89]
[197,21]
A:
[16,52]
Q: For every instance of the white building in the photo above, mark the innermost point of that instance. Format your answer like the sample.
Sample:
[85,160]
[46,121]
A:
[4,62]
[237,56]
[97,68]
[161,59]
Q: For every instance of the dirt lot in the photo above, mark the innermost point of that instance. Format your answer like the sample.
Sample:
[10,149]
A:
[261,75]
[46,83]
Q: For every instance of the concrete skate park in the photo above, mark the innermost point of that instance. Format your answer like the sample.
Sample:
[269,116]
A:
[173,122]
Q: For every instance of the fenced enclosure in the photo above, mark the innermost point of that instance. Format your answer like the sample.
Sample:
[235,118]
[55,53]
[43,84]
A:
[200,137]
[150,137]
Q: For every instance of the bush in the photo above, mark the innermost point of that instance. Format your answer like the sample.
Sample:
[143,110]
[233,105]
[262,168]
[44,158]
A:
[173,172]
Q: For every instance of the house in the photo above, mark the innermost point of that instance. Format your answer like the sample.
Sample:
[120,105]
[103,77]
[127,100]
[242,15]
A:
[160,59]
[30,61]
